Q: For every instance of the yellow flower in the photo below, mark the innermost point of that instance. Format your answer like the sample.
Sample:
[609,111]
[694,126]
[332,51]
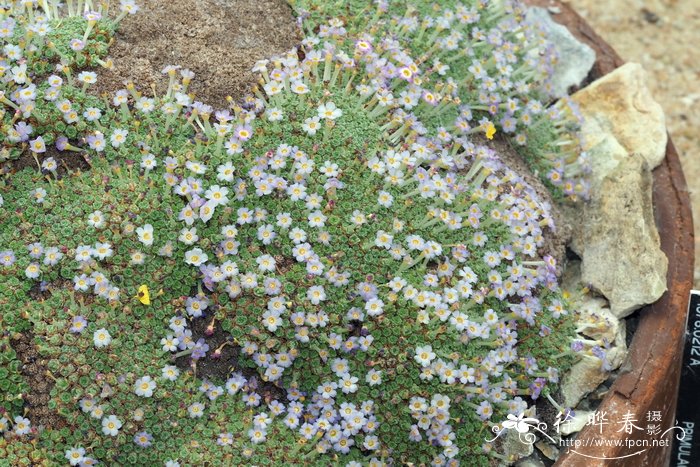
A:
[490,130]
[144,295]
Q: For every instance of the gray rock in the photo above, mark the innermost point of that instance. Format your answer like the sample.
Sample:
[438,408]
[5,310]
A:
[548,450]
[624,135]
[517,446]
[575,58]
[602,147]
[530,462]
[583,378]
[618,243]
[571,278]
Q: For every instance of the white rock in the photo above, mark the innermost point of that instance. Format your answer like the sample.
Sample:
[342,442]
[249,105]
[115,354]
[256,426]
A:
[602,147]
[583,378]
[587,374]
[619,105]
[624,134]
[618,242]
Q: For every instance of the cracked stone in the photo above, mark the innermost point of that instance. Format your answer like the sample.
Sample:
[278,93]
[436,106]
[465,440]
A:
[618,243]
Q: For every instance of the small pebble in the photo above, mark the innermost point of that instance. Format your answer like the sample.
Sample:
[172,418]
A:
[650,16]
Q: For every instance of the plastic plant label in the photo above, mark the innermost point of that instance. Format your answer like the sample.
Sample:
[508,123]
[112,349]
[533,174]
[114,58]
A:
[687,450]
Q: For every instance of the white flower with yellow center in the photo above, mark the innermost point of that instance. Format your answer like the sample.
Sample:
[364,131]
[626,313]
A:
[145,234]
[96,219]
[425,355]
[329,111]
[144,386]
[188,236]
[75,455]
[196,257]
[170,372]
[101,338]
[111,425]
[196,410]
[316,294]
[311,125]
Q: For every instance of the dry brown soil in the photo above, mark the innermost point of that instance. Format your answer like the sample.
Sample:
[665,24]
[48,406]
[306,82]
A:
[220,40]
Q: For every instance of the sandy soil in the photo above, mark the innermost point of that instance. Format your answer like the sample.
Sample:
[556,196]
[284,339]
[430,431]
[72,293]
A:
[219,40]
[662,35]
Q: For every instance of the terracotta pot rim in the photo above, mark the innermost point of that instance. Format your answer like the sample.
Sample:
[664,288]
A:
[651,378]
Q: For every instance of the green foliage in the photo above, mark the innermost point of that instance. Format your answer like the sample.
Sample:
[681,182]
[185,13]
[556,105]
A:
[12,384]
[336,248]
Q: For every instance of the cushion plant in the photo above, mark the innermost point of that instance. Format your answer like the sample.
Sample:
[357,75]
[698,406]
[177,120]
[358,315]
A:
[339,268]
